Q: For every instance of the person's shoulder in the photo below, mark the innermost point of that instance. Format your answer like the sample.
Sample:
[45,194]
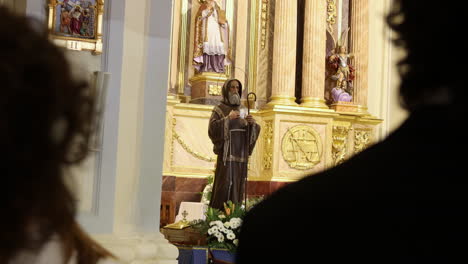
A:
[328,185]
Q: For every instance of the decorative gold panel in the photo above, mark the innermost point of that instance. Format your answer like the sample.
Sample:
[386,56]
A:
[268,145]
[362,139]
[214,89]
[301,147]
[340,138]
[331,14]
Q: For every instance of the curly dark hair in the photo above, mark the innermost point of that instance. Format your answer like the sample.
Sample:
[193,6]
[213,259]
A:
[46,120]
[430,33]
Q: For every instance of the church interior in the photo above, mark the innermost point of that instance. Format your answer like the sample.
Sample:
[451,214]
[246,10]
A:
[318,77]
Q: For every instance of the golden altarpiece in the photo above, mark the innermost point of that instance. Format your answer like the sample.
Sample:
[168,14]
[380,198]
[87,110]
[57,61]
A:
[280,50]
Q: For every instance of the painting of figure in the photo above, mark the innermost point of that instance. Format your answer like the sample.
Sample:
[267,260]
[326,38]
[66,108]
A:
[75,18]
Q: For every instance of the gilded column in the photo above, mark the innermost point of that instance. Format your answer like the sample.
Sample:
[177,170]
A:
[284,53]
[359,46]
[313,69]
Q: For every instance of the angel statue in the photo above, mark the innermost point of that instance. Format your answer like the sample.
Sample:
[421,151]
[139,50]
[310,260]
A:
[338,62]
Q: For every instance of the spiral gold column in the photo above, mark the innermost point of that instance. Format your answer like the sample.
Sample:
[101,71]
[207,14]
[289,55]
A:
[284,53]
[359,46]
[313,69]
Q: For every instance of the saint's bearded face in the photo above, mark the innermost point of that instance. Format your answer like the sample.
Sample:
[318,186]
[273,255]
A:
[234,97]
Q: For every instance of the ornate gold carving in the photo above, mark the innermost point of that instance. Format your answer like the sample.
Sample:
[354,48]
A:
[331,14]
[301,147]
[214,89]
[192,152]
[362,139]
[340,138]
[264,22]
[267,145]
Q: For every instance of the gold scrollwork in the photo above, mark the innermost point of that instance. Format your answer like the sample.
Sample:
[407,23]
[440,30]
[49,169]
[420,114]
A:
[268,145]
[301,147]
[184,145]
[264,22]
[214,89]
[331,14]
[340,138]
[362,139]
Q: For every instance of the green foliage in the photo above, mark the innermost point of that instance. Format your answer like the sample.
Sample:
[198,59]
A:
[210,179]
[251,202]
[207,191]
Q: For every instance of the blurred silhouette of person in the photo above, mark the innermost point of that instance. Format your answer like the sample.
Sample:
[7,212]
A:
[46,121]
[403,200]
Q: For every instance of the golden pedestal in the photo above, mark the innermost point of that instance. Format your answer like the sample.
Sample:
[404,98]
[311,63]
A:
[207,87]
[187,236]
[344,107]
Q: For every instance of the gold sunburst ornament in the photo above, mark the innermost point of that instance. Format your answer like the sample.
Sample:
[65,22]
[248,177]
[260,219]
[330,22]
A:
[301,147]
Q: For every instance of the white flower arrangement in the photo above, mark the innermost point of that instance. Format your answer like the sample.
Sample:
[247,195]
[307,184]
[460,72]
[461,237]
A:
[223,227]
[230,235]
[235,222]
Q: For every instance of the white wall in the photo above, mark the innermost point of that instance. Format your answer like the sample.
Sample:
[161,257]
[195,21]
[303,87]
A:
[383,78]
[122,182]
[16,5]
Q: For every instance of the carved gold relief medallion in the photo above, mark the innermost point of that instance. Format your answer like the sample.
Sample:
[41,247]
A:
[301,147]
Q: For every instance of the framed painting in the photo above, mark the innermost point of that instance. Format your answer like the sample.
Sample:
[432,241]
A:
[77,24]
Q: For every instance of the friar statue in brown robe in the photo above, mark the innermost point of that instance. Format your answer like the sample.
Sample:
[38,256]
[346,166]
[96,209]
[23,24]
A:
[233,134]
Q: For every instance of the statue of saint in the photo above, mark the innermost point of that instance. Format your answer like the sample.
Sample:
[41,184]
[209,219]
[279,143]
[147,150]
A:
[211,38]
[338,61]
[234,134]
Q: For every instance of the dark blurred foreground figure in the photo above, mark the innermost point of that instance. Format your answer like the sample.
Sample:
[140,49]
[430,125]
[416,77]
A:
[404,200]
[45,125]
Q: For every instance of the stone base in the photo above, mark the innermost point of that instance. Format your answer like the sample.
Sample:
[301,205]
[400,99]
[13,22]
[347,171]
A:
[207,87]
[344,107]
